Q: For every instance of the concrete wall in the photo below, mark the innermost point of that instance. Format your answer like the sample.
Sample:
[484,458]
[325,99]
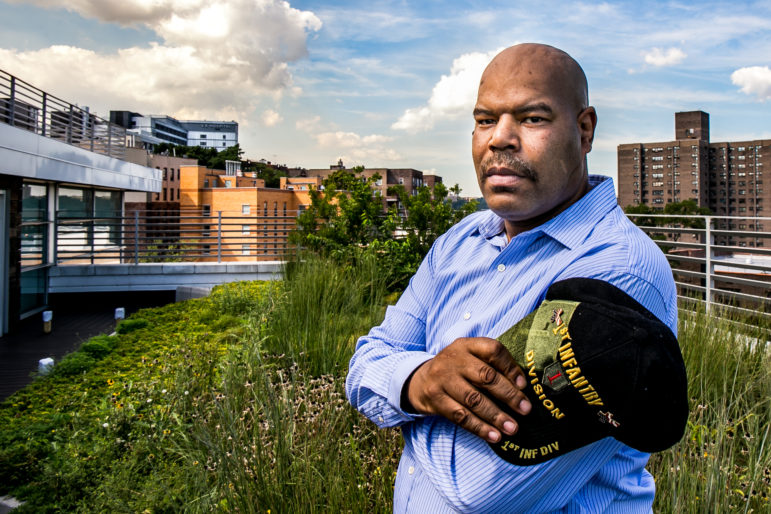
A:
[157,277]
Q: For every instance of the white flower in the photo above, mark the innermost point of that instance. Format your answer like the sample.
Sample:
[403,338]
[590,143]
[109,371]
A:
[164,391]
[149,400]
[105,425]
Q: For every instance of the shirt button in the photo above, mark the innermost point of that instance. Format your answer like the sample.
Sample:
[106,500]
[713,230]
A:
[467,315]
[411,470]
[381,419]
[501,267]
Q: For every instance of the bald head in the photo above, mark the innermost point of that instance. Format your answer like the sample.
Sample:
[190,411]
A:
[544,67]
[533,127]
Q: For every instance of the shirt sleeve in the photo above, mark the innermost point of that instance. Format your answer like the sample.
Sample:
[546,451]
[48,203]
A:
[386,357]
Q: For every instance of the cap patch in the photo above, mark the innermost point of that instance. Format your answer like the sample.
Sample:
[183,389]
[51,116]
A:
[554,377]
[538,388]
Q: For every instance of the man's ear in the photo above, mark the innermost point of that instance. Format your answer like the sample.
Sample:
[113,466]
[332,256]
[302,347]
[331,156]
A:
[587,122]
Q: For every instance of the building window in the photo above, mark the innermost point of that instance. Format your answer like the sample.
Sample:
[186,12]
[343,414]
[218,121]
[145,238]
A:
[275,208]
[206,182]
[223,136]
[206,249]
[245,208]
[245,230]
[206,231]
[284,208]
[245,249]
[164,173]
[265,208]
[203,136]
[202,143]
[164,194]
[228,183]
[206,210]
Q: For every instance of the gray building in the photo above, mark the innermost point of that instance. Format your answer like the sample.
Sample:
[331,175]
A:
[62,185]
[155,129]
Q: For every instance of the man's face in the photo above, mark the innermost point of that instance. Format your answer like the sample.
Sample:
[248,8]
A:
[529,142]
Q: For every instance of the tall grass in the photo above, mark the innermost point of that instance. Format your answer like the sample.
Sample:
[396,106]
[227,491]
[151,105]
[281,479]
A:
[724,461]
[324,309]
[235,403]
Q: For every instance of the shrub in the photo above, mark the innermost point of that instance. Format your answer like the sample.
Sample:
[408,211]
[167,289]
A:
[96,349]
[74,364]
[129,325]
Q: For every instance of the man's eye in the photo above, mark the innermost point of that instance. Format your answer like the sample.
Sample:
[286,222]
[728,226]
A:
[534,119]
[486,121]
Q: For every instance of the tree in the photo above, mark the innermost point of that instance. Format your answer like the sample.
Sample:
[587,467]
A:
[346,220]
[205,155]
[346,212]
[673,211]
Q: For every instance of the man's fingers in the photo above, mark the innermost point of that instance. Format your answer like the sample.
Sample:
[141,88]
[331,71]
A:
[466,383]
[495,354]
[466,418]
[498,373]
[477,403]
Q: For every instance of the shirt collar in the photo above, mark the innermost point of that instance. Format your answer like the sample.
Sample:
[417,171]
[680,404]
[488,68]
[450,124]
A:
[572,226]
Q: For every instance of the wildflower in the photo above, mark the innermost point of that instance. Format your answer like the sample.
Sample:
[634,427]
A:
[110,381]
[149,400]
[105,425]
[163,392]
[195,463]
[186,393]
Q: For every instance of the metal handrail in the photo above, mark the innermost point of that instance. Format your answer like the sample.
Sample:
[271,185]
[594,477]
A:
[726,267]
[24,106]
[732,276]
[166,236]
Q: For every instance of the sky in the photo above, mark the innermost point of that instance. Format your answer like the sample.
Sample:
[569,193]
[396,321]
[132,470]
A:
[391,83]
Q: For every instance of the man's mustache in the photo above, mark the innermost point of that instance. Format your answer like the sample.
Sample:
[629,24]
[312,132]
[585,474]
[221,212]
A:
[506,160]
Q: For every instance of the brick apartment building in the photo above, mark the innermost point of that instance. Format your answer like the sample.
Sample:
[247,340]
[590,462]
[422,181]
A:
[726,177]
[233,212]
[411,179]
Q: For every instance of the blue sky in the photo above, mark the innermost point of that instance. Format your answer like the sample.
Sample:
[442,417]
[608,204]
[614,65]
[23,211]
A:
[387,83]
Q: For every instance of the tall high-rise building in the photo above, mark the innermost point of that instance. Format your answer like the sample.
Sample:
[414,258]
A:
[725,177]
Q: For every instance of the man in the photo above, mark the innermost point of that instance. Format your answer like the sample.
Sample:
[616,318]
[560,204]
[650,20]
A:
[434,367]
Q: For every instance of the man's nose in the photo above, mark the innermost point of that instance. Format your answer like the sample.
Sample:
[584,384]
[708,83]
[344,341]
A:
[506,134]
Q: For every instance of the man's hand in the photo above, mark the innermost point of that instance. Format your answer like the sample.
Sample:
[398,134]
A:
[461,380]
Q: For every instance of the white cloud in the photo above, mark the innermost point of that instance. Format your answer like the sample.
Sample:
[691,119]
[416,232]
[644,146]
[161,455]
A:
[308,124]
[453,96]
[754,80]
[271,118]
[668,57]
[216,56]
[358,148]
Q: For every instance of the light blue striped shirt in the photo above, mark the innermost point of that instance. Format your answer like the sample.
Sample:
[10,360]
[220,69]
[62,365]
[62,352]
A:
[475,283]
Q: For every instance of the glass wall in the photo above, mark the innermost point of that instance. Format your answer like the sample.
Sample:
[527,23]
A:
[88,225]
[35,234]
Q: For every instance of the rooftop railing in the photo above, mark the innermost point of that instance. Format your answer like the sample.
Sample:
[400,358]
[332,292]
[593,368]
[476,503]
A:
[173,236]
[24,106]
[716,261]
